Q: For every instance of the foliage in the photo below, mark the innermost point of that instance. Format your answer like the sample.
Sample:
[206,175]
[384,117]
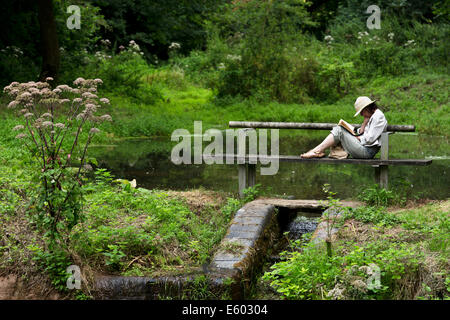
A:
[406,10]
[249,57]
[75,44]
[376,196]
[231,207]
[432,221]
[305,274]
[380,59]
[331,216]
[123,73]
[156,24]
[19,55]
[15,65]
[394,261]
[199,288]
[55,264]
[262,64]
[375,215]
[54,120]
[123,223]
[264,57]
[398,48]
[336,77]
[251,193]
[114,256]
[372,271]
[379,263]
[20,59]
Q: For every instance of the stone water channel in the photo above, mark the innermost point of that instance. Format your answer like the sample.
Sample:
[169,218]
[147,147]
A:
[257,229]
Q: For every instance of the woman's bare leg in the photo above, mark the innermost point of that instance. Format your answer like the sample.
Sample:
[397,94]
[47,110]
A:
[326,143]
[317,152]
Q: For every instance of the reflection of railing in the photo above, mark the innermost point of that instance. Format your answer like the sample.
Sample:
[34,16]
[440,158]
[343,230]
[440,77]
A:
[247,166]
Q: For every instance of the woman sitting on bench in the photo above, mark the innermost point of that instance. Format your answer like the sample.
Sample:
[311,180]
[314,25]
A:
[363,146]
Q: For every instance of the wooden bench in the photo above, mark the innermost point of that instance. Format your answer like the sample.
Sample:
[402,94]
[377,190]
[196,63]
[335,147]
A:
[247,168]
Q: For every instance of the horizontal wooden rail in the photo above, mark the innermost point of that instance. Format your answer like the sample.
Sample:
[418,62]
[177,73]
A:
[282,158]
[305,125]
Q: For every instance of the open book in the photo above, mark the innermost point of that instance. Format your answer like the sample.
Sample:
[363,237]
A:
[347,126]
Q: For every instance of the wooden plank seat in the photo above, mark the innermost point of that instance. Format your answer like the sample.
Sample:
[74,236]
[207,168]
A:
[258,158]
[247,164]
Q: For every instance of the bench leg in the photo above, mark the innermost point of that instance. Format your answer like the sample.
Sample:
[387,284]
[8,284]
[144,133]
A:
[242,178]
[384,155]
[251,174]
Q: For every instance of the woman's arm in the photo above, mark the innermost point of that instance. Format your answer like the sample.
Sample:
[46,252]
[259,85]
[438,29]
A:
[363,126]
[376,128]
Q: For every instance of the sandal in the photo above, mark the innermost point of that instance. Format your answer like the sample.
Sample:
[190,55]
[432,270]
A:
[312,154]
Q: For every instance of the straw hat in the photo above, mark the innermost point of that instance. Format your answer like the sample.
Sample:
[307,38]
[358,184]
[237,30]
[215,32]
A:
[361,103]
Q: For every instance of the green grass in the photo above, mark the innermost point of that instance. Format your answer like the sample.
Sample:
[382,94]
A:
[433,222]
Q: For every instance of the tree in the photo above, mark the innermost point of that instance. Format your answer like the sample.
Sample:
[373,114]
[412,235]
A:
[49,40]
[155,24]
[265,38]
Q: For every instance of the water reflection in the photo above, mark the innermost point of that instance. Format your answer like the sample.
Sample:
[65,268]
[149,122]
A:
[148,161]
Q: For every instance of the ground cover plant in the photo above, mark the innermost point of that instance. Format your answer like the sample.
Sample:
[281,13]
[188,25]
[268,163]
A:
[378,254]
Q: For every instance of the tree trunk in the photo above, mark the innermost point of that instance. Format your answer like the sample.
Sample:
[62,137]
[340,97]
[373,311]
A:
[329,252]
[49,40]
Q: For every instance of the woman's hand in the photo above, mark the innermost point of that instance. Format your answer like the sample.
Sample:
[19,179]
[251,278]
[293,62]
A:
[364,124]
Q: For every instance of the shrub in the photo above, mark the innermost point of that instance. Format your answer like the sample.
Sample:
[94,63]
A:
[74,46]
[399,47]
[124,73]
[114,256]
[305,274]
[394,261]
[380,59]
[15,65]
[54,124]
[376,196]
[202,67]
[54,264]
[264,55]
[251,193]
[372,271]
[335,78]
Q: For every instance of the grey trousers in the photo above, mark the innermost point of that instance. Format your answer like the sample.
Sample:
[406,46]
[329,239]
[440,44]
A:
[352,145]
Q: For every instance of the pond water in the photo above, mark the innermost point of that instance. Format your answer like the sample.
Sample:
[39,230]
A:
[148,161]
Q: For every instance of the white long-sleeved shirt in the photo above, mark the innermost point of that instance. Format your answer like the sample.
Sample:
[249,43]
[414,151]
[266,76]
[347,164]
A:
[372,132]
